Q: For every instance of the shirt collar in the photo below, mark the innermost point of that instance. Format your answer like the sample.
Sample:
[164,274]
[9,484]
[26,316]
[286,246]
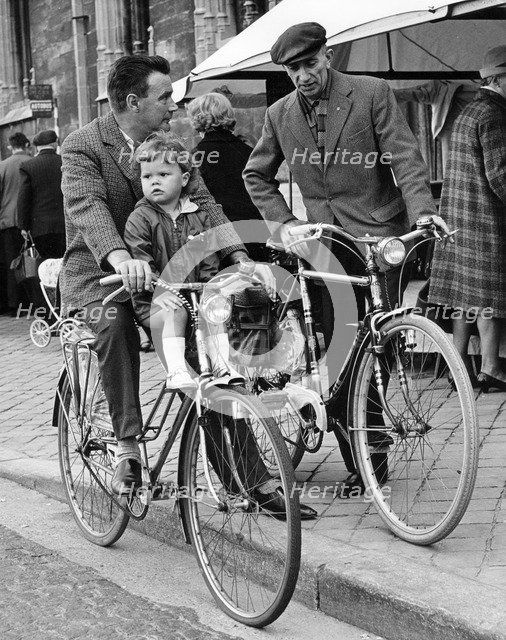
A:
[128,139]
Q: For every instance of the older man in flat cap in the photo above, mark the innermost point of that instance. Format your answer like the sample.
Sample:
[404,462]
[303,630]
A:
[40,205]
[40,199]
[354,158]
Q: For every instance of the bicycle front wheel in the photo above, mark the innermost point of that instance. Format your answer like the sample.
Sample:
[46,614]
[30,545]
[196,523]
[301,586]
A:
[85,452]
[419,458]
[249,554]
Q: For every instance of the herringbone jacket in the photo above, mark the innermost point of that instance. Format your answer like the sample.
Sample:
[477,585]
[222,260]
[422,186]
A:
[101,186]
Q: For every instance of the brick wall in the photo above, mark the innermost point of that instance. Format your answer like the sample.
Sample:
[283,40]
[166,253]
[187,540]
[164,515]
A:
[53,55]
[173,33]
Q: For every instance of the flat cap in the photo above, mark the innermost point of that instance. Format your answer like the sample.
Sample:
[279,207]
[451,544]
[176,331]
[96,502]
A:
[48,136]
[298,42]
[495,62]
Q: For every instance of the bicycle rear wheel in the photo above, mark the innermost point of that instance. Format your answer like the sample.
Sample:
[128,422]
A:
[249,558]
[86,464]
[427,442]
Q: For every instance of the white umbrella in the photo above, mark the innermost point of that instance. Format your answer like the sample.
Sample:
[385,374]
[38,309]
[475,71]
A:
[431,36]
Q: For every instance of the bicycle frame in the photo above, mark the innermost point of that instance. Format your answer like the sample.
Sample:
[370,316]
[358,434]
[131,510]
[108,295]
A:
[368,334]
[153,491]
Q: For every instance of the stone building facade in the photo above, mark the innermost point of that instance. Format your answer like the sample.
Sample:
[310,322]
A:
[67,47]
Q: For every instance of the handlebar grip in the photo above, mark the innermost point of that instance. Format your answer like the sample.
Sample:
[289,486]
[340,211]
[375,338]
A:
[113,279]
[301,230]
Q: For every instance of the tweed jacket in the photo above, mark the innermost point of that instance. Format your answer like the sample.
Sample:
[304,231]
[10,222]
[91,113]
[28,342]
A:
[357,187]
[101,186]
[472,272]
[40,200]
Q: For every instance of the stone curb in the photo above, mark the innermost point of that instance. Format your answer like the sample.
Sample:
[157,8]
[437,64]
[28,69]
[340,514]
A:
[392,597]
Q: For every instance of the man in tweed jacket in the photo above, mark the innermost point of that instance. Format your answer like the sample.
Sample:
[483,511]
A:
[101,187]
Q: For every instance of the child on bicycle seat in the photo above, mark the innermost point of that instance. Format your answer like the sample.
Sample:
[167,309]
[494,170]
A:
[158,229]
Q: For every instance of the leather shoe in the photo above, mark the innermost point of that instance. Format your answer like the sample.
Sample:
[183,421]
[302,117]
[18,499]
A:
[487,382]
[127,477]
[353,486]
[275,504]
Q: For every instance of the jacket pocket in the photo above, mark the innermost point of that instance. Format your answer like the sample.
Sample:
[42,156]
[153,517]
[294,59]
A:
[389,210]
[357,136]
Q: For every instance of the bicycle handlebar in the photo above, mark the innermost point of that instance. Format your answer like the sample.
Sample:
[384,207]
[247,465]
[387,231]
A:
[425,226]
[116,278]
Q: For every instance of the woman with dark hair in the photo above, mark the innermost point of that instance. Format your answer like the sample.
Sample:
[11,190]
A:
[221,157]
[470,275]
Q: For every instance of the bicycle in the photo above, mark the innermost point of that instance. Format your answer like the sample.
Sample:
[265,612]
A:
[405,378]
[248,556]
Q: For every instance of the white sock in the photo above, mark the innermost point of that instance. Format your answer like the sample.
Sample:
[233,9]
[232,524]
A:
[173,350]
[128,448]
[219,351]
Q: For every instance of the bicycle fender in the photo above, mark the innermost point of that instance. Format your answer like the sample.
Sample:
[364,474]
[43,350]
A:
[301,396]
[401,311]
[56,405]
[180,479]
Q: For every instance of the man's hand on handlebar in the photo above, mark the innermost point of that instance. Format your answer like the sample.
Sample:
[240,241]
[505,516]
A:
[301,250]
[136,275]
[441,225]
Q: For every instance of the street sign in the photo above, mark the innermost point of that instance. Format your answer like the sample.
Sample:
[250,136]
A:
[41,108]
[40,92]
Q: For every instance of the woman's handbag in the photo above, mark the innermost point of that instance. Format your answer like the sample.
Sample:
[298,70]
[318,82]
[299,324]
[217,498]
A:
[26,265]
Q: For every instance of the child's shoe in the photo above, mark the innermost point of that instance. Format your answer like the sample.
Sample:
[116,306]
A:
[179,379]
[228,376]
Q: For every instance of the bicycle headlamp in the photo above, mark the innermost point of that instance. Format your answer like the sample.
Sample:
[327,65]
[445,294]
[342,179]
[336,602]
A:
[217,308]
[392,251]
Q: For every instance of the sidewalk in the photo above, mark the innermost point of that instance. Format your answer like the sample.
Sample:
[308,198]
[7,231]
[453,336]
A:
[353,568]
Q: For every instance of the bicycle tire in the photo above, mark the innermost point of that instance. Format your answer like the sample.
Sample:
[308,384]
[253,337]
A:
[249,559]
[95,511]
[432,458]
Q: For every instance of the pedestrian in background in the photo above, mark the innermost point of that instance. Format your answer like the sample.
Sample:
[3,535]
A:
[11,240]
[470,275]
[40,199]
[447,100]
[40,207]
[221,158]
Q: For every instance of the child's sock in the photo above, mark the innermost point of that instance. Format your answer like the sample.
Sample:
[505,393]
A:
[128,448]
[178,376]
[173,350]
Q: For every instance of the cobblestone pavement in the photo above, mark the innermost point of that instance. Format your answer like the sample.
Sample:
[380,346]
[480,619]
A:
[44,595]
[475,550]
